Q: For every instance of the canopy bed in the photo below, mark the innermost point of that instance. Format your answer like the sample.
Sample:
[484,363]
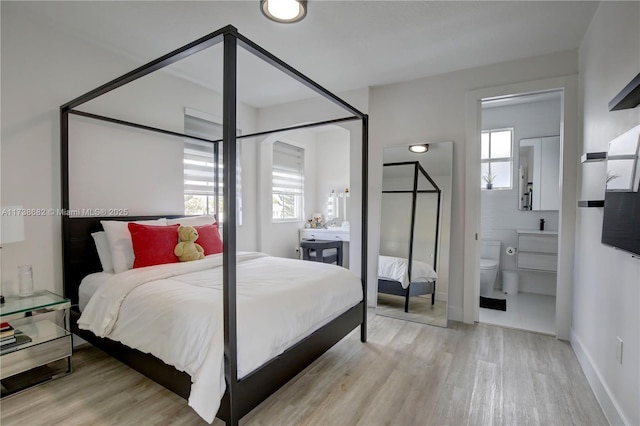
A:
[105,321]
[407,276]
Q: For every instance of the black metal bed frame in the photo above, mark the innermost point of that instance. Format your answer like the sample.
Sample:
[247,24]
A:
[79,258]
[417,171]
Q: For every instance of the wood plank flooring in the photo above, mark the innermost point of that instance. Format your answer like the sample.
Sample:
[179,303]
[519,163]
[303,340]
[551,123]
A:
[407,374]
[420,309]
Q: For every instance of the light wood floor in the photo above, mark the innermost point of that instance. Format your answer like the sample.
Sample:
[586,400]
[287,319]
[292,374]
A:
[407,374]
[420,309]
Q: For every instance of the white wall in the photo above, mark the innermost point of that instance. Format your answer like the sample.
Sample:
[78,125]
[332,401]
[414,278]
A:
[332,167]
[500,216]
[433,109]
[118,167]
[607,284]
[38,77]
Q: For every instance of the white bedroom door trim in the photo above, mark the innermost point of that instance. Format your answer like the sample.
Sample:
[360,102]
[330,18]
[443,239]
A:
[568,183]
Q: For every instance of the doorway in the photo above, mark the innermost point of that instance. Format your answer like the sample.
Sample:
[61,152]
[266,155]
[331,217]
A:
[520,205]
[567,210]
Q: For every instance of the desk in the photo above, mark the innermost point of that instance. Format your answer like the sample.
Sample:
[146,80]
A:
[333,234]
[340,234]
[314,250]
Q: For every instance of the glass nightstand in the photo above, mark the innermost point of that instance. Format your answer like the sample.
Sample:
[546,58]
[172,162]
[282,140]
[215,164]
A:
[42,348]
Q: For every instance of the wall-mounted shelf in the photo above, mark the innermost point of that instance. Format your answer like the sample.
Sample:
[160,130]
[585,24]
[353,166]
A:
[591,203]
[591,157]
[629,97]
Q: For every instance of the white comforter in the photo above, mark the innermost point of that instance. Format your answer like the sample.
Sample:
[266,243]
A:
[175,312]
[396,269]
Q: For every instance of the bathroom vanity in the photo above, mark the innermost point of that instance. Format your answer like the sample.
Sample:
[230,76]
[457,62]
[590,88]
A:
[538,250]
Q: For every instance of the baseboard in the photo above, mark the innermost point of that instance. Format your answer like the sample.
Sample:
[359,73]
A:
[454,313]
[602,392]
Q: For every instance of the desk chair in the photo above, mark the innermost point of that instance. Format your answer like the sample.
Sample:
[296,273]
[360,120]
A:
[326,251]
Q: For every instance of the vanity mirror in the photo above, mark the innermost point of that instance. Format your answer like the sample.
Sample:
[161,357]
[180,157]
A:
[337,208]
[539,173]
[413,261]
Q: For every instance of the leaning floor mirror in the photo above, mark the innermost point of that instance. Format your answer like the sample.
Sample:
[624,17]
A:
[413,261]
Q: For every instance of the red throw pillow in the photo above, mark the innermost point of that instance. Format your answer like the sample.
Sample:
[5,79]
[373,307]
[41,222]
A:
[153,245]
[209,238]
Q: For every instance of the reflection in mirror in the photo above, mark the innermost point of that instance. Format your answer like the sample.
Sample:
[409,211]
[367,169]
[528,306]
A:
[539,173]
[413,264]
[336,208]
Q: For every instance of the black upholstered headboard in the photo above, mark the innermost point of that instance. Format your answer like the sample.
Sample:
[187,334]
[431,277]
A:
[79,255]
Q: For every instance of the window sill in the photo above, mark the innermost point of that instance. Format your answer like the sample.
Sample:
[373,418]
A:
[286,220]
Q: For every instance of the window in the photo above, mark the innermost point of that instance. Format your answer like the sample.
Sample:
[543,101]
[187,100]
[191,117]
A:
[199,162]
[496,157]
[287,182]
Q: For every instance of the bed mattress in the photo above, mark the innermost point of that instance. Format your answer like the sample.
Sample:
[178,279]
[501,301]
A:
[89,285]
[175,313]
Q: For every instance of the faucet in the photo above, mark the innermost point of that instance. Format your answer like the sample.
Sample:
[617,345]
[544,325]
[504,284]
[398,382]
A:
[542,224]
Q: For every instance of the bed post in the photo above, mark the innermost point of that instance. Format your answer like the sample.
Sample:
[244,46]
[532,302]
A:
[435,249]
[64,183]
[365,202]
[414,199]
[229,227]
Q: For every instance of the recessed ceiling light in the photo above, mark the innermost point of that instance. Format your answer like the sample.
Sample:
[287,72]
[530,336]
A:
[419,149]
[284,11]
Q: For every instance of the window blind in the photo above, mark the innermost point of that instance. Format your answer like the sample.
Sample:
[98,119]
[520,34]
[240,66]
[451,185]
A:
[199,164]
[288,169]
[199,178]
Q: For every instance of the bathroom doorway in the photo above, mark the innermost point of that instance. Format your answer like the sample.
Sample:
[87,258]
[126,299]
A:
[520,162]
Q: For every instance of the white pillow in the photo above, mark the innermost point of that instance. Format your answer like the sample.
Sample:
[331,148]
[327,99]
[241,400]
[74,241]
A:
[193,220]
[120,243]
[104,252]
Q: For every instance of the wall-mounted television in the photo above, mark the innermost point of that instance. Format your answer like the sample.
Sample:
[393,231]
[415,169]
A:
[621,221]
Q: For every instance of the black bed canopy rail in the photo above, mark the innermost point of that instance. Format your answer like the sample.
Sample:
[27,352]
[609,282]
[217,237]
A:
[418,171]
[418,167]
[172,57]
[215,141]
[203,43]
[241,395]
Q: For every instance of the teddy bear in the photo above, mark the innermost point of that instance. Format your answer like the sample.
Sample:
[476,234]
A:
[187,249]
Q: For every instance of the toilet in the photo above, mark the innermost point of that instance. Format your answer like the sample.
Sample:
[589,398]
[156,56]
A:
[489,263]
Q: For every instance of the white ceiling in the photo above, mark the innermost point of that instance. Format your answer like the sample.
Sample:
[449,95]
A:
[342,45]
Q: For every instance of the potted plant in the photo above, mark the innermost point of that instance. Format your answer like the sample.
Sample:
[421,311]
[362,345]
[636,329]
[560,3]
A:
[488,178]
[610,177]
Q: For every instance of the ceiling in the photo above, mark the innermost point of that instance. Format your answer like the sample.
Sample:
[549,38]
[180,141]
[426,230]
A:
[342,45]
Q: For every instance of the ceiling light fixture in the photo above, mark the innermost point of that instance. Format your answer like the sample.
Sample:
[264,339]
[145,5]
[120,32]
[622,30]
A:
[419,149]
[284,11]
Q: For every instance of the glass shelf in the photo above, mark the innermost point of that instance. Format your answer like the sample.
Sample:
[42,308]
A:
[592,157]
[591,203]
[41,331]
[38,300]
